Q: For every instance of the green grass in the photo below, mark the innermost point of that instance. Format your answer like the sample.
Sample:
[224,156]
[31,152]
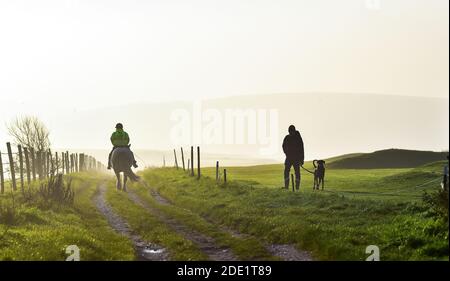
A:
[335,225]
[246,248]
[150,228]
[403,185]
[33,231]
[358,208]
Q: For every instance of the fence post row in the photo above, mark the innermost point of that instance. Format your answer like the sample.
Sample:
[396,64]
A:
[41,165]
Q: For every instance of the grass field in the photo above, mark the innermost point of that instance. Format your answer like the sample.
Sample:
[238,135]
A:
[387,184]
[34,230]
[359,208]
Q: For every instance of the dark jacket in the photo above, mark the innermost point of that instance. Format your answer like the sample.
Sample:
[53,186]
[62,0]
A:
[293,148]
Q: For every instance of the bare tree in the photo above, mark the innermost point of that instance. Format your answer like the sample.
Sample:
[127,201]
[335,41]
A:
[29,131]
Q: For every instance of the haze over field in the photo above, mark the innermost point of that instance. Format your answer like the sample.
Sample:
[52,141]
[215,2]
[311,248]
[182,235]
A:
[331,124]
[373,74]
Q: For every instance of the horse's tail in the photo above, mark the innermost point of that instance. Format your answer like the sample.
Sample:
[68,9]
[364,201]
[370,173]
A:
[129,173]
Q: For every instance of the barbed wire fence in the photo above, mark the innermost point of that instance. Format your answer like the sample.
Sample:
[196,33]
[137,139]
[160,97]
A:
[23,166]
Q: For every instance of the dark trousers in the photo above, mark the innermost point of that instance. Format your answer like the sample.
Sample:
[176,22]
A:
[287,169]
[109,156]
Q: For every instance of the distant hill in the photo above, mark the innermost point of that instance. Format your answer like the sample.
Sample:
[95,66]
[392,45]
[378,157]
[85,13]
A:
[389,158]
[341,157]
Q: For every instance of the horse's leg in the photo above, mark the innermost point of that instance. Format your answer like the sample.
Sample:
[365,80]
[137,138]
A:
[119,184]
[125,179]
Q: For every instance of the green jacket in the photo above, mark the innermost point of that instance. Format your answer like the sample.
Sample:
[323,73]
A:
[120,138]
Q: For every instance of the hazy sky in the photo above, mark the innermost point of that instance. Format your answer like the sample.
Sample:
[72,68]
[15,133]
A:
[87,54]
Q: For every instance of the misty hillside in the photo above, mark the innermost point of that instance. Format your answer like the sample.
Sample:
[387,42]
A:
[389,158]
[331,124]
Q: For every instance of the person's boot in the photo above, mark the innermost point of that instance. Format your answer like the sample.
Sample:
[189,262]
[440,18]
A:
[135,164]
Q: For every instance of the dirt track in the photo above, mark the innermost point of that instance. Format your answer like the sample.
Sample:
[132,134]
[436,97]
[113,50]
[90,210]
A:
[145,251]
[284,251]
[206,244]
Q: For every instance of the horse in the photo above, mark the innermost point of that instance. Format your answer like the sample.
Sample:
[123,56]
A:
[122,159]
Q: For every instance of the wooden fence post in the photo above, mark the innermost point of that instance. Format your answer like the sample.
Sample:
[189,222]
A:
[39,164]
[27,165]
[56,162]
[33,162]
[176,161]
[2,178]
[11,165]
[225,175]
[182,159]
[76,162]
[48,160]
[81,162]
[63,163]
[67,162]
[188,166]
[52,166]
[192,161]
[44,164]
[19,148]
[198,162]
[217,170]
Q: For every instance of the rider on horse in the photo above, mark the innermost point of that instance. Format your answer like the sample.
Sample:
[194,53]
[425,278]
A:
[119,138]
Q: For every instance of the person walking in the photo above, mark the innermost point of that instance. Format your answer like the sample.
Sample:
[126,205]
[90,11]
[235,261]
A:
[295,155]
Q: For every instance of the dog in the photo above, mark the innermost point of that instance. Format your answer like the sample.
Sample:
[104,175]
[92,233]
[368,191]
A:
[319,174]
